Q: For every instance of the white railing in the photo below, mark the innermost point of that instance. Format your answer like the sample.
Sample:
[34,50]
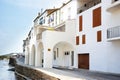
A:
[113,32]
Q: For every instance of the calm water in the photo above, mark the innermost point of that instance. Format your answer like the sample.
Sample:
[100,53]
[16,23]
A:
[4,73]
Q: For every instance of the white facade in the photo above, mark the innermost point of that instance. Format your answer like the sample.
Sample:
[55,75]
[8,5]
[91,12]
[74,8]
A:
[46,37]
[103,56]
[52,38]
[52,44]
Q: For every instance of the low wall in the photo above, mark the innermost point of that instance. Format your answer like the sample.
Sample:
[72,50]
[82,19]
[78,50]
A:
[12,61]
[24,72]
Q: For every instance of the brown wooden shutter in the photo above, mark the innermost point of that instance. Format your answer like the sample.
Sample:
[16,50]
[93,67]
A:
[80,23]
[77,40]
[83,39]
[99,36]
[97,17]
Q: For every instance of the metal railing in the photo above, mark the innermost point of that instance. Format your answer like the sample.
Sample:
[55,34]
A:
[88,5]
[27,42]
[113,32]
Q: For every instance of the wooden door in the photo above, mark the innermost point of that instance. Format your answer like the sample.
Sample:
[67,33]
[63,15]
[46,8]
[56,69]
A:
[83,61]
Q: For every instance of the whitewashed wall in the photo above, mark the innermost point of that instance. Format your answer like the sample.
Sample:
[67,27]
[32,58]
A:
[104,56]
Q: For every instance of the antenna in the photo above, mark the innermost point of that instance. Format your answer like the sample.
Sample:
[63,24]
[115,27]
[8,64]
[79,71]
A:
[41,10]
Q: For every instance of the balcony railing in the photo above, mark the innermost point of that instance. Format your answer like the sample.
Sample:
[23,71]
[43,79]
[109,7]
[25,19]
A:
[113,33]
[88,5]
[27,42]
[38,36]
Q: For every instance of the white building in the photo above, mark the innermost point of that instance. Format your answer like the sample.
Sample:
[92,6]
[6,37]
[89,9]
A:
[98,35]
[95,26]
[52,39]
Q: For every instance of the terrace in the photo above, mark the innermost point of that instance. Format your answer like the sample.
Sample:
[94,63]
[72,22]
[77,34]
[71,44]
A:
[86,4]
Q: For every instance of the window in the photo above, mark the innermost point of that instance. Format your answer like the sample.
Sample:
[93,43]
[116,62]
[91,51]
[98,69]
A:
[48,19]
[41,21]
[77,40]
[83,39]
[44,20]
[57,52]
[51,18]
[67,52]
[69,13]
[72,58]
[97,17]
[80,23]
[54,55]
[56,18]
[99,36]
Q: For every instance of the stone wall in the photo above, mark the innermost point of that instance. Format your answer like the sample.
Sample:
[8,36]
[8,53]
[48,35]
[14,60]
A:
[24,72]
[12,61]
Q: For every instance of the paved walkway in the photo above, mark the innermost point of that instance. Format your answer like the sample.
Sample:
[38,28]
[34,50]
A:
[78,74]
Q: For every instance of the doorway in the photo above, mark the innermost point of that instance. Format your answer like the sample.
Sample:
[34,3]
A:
[83,61]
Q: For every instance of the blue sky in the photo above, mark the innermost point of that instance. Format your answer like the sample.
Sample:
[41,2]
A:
[16,19]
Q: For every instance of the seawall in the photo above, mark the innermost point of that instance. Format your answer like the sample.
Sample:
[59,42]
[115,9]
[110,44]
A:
[24,72]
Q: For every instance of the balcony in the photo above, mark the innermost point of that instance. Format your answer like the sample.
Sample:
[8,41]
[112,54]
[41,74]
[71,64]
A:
[27,42]
[115,5]
[38,36]
[113,33]
[88,5]
[60,27]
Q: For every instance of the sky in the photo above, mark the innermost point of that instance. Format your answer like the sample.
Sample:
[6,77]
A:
[16,19]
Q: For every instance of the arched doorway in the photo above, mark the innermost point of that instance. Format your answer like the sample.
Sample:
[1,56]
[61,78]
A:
[63,55]
[40,55]
[33,56]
